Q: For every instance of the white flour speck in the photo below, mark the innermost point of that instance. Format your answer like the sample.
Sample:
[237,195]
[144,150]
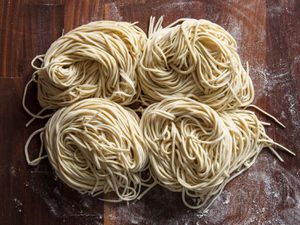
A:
[226,197]
[18,204]
[114,12]
[13,171]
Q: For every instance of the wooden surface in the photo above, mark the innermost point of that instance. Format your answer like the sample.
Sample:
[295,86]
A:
[268,35]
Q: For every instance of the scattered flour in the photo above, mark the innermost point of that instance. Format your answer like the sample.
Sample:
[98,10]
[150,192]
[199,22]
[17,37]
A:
[18,204]
[266,81]
[63,204]
[13,171]
[271,187]
[235,28]
[293,112]
[283,115]
[227,196]
[87,203]
[113,12]
[57,191]
[280,186]
[274,10]
[181,7]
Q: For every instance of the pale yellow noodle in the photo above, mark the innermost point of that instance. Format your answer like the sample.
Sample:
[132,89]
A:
[195,150]
[197,134]
[197,59]
[98,59]
[189,146]
[95,146]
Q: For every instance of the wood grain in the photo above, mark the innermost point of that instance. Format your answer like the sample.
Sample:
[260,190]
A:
[268,35]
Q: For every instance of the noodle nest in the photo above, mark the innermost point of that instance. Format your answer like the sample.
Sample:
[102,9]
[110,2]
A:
[195,150]
[197,59]
[98,59]
[95,146]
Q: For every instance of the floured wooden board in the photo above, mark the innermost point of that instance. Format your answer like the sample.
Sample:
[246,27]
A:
[268,36]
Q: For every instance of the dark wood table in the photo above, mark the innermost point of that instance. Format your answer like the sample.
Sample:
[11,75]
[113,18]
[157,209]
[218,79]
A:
[268,35]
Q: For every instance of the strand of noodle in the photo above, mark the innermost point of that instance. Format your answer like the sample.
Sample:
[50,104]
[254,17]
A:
[38,115]
[40,157]
[267,114]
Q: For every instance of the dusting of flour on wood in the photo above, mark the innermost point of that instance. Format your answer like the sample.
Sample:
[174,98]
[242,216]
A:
[61,201]
[112,12]
[257,196]
[18,204]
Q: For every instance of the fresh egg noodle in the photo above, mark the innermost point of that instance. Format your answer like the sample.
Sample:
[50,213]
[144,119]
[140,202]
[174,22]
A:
[197,59]
[95,146]
[195,150]
[195,135]
[98,59]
